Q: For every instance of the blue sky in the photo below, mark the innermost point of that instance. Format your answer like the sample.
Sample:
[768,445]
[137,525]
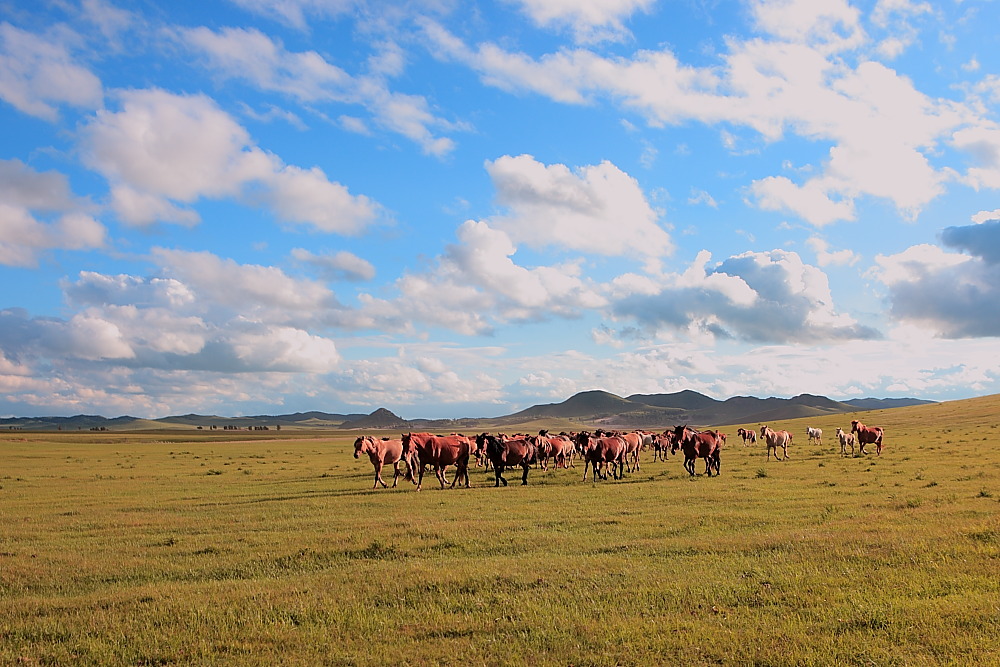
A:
[459,209]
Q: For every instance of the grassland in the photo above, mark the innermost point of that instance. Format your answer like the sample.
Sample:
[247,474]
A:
[270,548]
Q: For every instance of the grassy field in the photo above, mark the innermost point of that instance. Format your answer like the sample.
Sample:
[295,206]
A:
[267,548]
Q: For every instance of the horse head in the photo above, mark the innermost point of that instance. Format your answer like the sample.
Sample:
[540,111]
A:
[362,444]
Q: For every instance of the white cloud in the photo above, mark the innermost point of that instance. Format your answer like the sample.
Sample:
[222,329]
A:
[983,216]
[38,73]
[89,336]
[880,127]
[826,257]
[249,289]
[833,25]
[295,13]
[307,76]
[596,209]
[285,349]
[341,265]
[812,201]
[589,20]
[22,237]
[163,149]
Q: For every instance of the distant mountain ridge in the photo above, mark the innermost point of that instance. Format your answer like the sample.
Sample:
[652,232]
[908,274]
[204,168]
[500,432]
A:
[594,407]
[690,407]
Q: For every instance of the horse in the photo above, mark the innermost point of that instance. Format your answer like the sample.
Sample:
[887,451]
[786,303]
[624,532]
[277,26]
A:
[599,452]
[867,435]
[749,436]
[559,448]
[662,443]
[633,444]
[699,444]
[815,435]
[509,453]
[775,439]
[845,440]
[438,451]
[380,452]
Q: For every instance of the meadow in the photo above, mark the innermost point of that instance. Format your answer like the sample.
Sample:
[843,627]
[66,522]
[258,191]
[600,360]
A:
[198,547]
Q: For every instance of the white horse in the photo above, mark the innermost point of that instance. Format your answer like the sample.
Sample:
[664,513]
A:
[815,435]
[845,440]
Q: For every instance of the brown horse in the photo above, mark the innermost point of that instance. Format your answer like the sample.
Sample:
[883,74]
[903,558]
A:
[559,448]
[438,451]
[599,452]
[867,435]
[380,453]
[509,453]
[775,439]
[662,443]
[699,444]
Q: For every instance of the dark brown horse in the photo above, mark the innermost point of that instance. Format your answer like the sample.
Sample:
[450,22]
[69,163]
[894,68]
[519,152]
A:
[699,444]
[600,452]
[439,452]
[380,453]
[867,435]
[509,453]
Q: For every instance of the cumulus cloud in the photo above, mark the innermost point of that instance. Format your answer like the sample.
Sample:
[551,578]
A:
[763,297]
[248,288]
[23,237]
[952,294]
[596,209]
[37,74]
[827,257]
[476,284]
[832,24]
[792,79]
[162,151]
[190,321]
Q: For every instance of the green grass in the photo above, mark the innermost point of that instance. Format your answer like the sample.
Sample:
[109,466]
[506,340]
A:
[223,548]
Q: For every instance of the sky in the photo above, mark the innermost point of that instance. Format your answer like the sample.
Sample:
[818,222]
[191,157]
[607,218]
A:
[461,209]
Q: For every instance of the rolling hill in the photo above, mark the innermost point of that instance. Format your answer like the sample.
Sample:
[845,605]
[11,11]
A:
[593,408]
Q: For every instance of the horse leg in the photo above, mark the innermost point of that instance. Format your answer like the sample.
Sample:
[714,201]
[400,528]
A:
[395,473]
[524,476]
[378,475]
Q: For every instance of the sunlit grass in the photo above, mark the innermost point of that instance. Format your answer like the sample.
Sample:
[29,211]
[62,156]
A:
[169,549]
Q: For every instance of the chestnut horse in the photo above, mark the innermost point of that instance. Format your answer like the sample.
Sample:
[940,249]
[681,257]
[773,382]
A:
[867,435]
[699,444]
[380,453]
[438,451]
[599,452]
[559,448]
[509,453]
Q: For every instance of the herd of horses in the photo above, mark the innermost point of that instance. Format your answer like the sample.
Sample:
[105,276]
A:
[603,452]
